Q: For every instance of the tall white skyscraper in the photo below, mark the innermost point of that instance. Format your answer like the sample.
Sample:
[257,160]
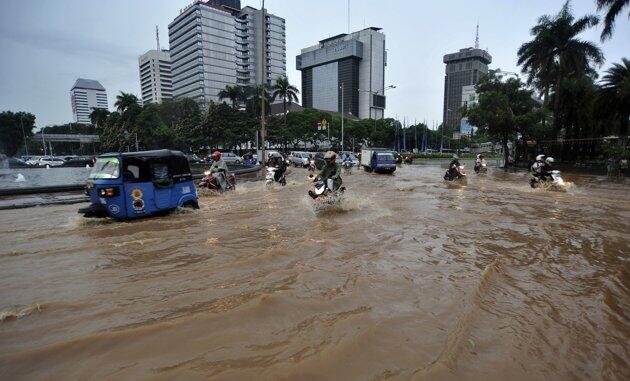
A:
[85,96]
[155,76]
[215,43]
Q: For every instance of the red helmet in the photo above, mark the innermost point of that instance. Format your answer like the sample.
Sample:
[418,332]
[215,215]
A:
[216,155]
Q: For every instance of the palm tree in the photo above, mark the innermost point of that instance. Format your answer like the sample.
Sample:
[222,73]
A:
[252,96]
[286,91]
[613,9]
[98,116]
[233,93]
[124,101]
[556,52]
[615,93]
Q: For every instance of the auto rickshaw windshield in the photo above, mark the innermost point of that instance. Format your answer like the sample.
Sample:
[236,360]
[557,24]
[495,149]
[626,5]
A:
[105,168]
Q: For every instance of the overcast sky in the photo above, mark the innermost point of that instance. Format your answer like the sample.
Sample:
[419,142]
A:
[47,45]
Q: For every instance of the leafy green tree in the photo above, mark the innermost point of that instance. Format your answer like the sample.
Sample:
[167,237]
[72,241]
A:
[125,101]
[612,8]
[614,95]
[505,107]
[98,117]
[112,134]
[152,132]
[234,93]
[287,92]
[185,118]
[556,53]
[252,95]
[14,127]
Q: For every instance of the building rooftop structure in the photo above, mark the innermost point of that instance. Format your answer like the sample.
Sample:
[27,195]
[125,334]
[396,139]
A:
[90,84]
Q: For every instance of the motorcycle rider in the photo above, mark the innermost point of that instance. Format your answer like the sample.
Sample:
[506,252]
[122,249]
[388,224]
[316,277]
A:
[479,162]
[280,165]
[347,160]
[453,171]
[331,173]
[219,170]
[545,172]
[538,165]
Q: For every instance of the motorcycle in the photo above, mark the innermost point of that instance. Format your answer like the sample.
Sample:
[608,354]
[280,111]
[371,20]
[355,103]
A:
[347,167]
[311,165]
[481,168]
[270,177]
[211,182]
[459,176]
[322,196]
[554,182]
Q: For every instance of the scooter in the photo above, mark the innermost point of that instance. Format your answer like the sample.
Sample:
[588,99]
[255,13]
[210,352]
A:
[322,196]
[555,182]
[211,182]
[460,176]
[347,167]
[270,177]
[481,168]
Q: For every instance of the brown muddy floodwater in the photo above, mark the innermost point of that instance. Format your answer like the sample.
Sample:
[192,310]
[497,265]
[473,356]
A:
[412,279]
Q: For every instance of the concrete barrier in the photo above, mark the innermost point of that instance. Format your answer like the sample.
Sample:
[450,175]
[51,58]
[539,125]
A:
[79,187]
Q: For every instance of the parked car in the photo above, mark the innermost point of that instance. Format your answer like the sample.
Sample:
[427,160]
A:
[79,161]
[300,159]
[231,158]
[14,162]
[48,161]
[194,159]
[33,160]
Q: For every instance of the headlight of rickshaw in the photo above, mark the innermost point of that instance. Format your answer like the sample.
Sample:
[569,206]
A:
[108,192]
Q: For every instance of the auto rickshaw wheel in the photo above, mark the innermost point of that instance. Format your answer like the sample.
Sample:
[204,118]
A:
[191,204]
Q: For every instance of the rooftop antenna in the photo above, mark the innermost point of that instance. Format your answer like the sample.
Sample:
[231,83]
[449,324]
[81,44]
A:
[157,37]
[348,16]
[477,37]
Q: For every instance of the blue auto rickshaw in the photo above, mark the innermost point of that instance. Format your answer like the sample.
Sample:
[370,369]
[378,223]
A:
[139,184]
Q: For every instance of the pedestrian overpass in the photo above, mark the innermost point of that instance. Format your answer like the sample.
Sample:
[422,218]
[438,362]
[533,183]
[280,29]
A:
[66,138]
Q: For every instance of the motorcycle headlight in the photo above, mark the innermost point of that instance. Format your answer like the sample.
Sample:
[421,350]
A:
[207,173]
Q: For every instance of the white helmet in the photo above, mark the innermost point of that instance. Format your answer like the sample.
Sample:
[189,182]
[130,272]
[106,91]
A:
[549,160]
[540,157]
[330,155]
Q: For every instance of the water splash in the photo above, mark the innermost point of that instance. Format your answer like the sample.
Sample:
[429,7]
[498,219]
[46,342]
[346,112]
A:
[20,312]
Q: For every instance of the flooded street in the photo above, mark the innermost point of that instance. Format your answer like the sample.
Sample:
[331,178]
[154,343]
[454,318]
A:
[413,279]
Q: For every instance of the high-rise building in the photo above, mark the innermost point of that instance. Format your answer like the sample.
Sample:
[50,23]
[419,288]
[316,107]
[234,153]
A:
[215,43]
[249,45]
[155,76]
[357,61]
[463,69]
[85,96]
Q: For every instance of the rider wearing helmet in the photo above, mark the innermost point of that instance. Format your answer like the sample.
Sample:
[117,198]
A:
[453,171]
[331,171]
[219,169]
[545,172]
[480,160]
[278,162]
[537,167]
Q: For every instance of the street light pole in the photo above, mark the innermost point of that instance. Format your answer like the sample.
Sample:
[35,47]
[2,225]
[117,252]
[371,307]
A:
[43,141]
[263,81]
[341,116]
[23,134]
